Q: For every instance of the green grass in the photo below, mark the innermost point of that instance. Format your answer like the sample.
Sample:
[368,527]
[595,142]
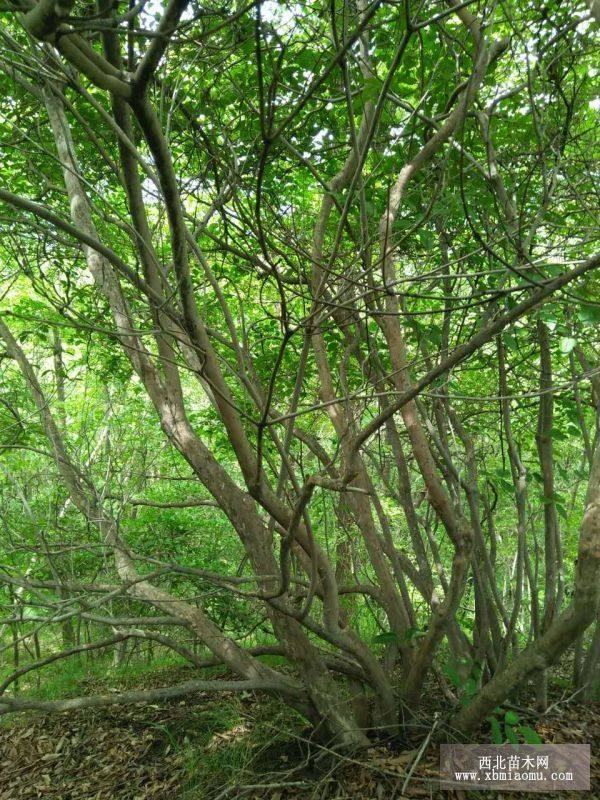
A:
[247,747]
[211,771]
[71,677]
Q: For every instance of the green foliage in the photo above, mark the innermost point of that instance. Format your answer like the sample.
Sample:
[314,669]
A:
[507,728]
[196,379]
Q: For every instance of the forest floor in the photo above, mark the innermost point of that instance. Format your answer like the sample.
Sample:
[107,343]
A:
[210,747]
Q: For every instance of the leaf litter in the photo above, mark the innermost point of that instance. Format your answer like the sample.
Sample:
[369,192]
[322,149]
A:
[137,753]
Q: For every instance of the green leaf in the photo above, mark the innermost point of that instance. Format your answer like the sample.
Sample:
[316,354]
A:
[451,673]
[413,633]
[427,239]
[567,343]
[434,335]
[496,730]
[371,89]
[511,341]
[548,315]
[589,315]
[511,736]
[530,735]
[555,219]
[511,718]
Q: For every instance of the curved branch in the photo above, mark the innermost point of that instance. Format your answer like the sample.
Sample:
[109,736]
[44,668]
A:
[14,705]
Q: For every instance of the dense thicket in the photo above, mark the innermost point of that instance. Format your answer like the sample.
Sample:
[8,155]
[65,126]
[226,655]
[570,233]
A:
[299,347]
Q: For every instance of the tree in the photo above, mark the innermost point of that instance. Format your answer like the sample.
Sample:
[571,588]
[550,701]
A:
[333,263]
